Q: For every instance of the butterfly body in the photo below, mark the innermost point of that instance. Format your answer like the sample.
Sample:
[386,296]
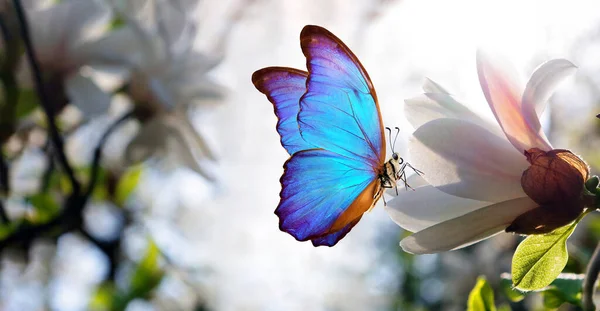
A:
[330,124]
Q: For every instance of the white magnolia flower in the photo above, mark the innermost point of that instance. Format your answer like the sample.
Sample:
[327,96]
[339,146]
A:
[63,37]
[168,78]
[477,171]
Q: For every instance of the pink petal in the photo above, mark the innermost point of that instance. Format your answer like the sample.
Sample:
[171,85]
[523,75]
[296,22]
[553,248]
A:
[427,206]
[540,87]
[504,97]
[466,160]
[467,229]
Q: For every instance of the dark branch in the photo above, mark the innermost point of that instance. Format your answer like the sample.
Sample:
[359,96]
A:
[589,282]
[98,152]
[4,188]
[71,217]
[44,99]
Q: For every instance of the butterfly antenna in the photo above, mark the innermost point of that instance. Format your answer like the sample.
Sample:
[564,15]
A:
[395,138]
[390,137]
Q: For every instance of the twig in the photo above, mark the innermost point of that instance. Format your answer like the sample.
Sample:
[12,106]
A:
[4,188]
[589,282]
[11,97]
[45,101]
[98,151]
[109,248]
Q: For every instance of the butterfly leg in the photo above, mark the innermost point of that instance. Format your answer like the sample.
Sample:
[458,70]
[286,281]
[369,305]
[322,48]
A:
[418,172]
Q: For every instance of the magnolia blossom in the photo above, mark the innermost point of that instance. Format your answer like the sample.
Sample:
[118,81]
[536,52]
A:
[61,35]
[486,177]
[168,78]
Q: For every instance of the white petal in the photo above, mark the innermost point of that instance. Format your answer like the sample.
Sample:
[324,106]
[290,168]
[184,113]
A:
[123,46]
[162,138]
[57,30]
[467,229]
[86,20]
[193,137]
[540,87]
[86,95]
[430,86]
[26,172]
[466,160]
[431,106]
[427,206]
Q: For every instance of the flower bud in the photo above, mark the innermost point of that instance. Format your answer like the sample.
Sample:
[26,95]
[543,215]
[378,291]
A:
[555,180]
[554,176]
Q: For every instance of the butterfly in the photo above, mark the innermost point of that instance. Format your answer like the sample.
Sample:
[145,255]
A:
[330,124]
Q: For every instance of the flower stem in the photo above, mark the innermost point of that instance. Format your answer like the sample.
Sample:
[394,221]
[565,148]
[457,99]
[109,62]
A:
[589,282]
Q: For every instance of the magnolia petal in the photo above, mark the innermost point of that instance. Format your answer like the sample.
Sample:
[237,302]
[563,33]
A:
[540,87]
[87,20]
[161,137]
[466,160]
[467,229]
[503,95]
[121,46]
[427,206]
[86,95]
[431,106]
[192,136]
[430,86]
[55,31]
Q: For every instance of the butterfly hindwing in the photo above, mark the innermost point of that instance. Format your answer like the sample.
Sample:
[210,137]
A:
[318,186]
[332,238]
[284,87]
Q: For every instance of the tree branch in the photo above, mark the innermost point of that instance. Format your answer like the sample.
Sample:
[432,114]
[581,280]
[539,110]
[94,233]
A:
[4,188]
[99,148]
[589,282]
[44,99]
[71,217]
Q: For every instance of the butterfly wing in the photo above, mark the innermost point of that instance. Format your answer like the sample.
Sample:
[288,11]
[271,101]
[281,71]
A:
[284,87]
[326,190]
[318,186]
[339,111]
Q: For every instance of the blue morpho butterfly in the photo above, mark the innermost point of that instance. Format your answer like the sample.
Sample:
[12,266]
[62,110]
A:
[330,124]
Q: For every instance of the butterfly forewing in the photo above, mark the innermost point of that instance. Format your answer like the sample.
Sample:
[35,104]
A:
[284,87]
[339,111]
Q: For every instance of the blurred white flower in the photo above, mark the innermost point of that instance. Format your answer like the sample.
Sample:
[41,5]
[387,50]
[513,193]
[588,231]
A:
[26,172]
[168,78]
[62,36]
[474,167]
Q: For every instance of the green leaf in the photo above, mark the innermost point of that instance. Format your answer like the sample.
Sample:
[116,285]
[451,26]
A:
[148,273]
[506,285]
[146,276]
[504,307]
[127,183]
[566,288]
[102,298]
[28,101]
[539,259]
[7,229]
[117,23]
[46,207]
[481,297]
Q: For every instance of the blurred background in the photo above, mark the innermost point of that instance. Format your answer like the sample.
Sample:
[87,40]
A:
[152,184]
